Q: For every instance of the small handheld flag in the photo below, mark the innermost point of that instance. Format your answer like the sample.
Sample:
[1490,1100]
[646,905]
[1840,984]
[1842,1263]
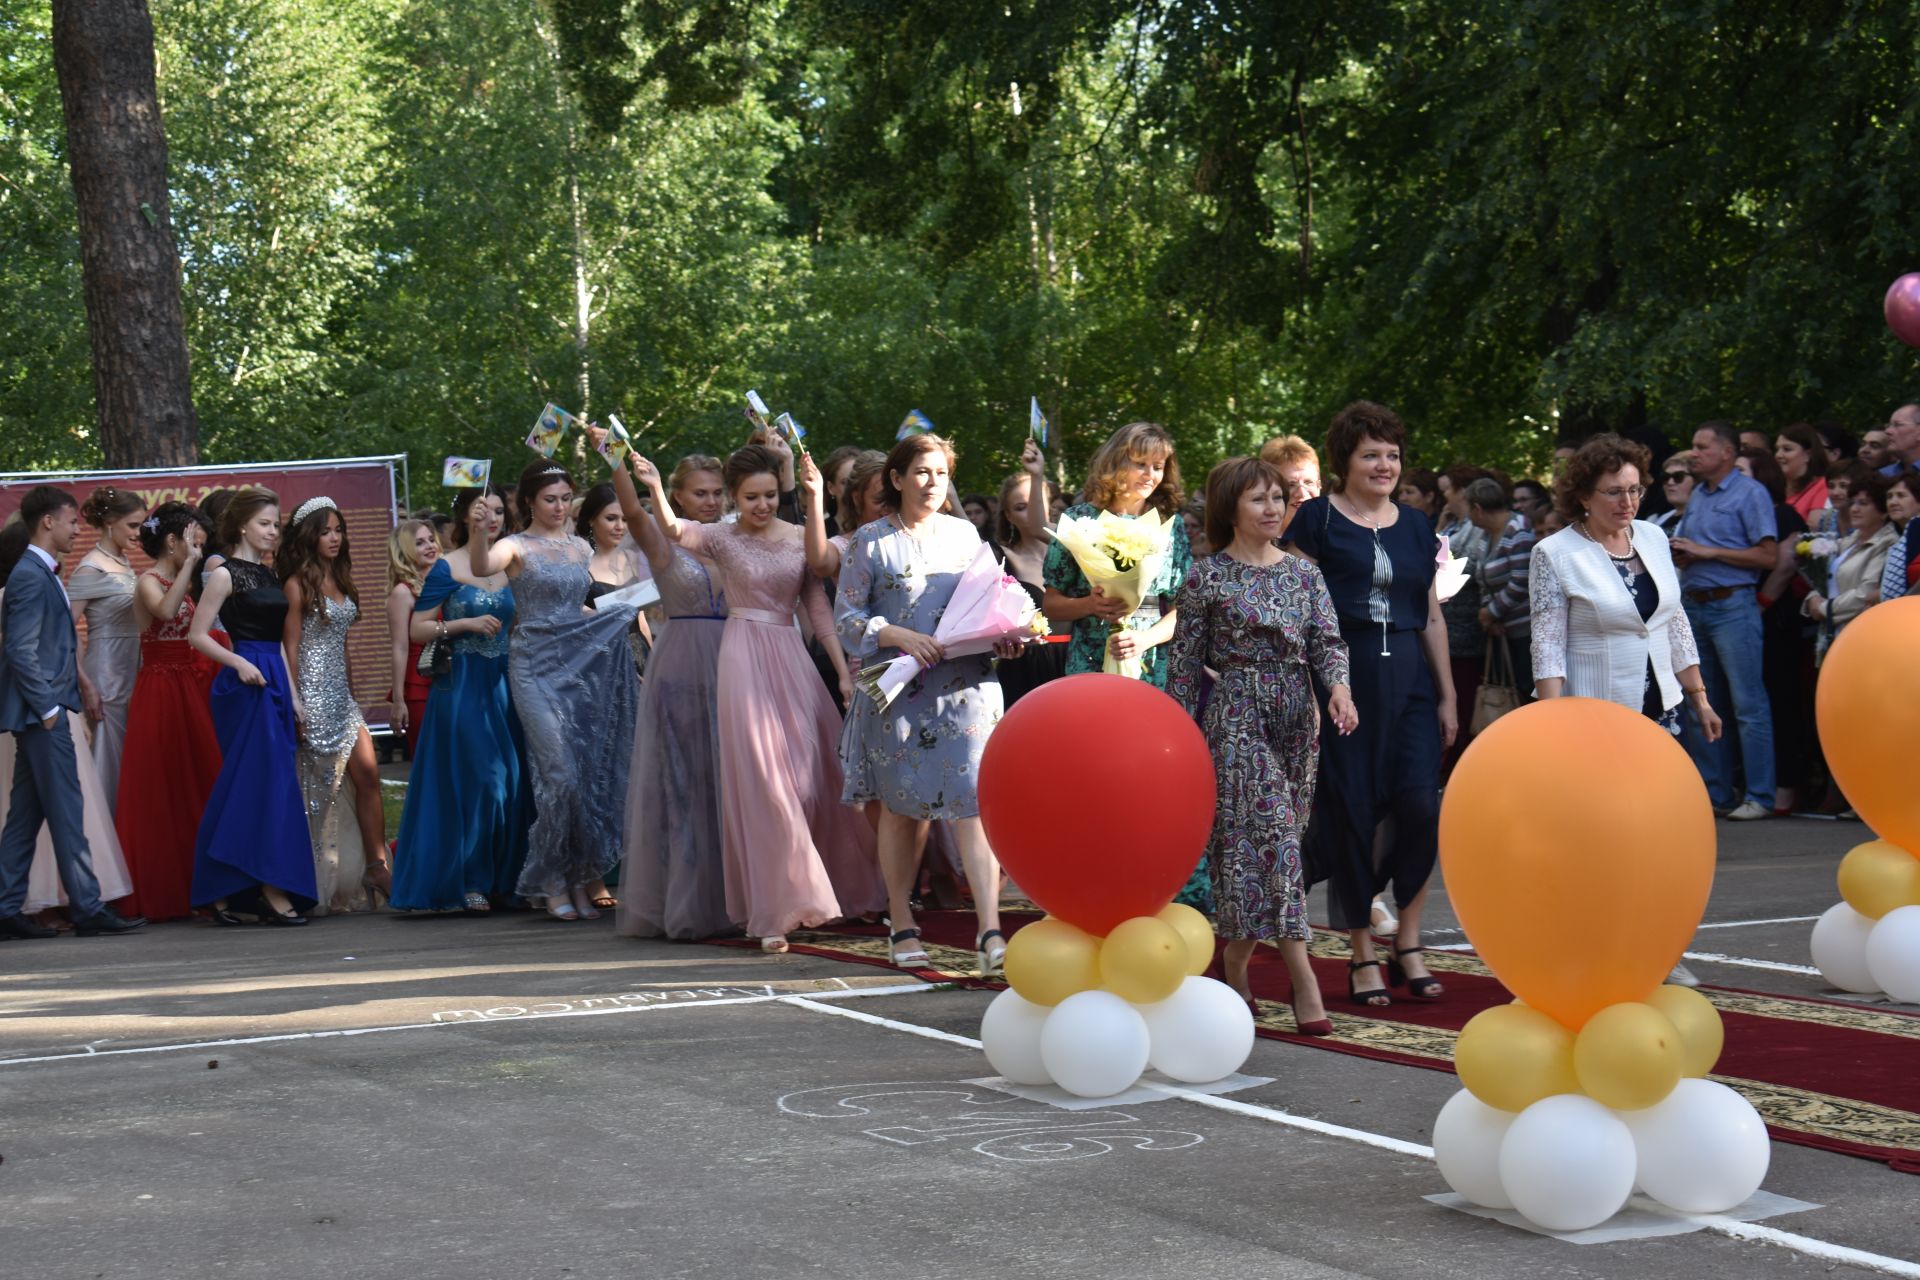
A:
[915,423]
[756,410]
[548,428]
[618,445]
[465,473]
[1037,423]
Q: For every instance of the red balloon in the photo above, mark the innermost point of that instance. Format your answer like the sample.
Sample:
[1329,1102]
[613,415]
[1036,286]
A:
[1903,308]
[1097,795]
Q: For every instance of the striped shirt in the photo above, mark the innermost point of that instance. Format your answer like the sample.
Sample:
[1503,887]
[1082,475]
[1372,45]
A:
[1503,577]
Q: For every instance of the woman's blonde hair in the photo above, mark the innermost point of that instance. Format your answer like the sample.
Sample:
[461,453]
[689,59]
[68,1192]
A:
[400,565]
[1135,442]
[686,468]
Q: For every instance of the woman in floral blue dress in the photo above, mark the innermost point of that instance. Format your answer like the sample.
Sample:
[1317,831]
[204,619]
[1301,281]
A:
[919,756]
[1264,621]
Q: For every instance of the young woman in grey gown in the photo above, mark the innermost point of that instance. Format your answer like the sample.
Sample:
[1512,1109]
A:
[574,689]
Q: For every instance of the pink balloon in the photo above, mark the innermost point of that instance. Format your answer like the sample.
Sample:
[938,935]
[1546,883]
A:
[1903,308]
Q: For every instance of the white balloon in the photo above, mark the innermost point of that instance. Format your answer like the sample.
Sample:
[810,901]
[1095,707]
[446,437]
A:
[1567,1163]
[1839,946]
[1010,1033]
[1094,1044]
[1466,1146]
[1200,1033]
[1702,1149]
[1893,953]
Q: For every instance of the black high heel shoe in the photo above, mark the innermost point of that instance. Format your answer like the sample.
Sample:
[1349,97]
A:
[1379,998]
[1427,988]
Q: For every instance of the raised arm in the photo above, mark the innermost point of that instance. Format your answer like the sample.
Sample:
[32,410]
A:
[1035,523]
[822,556]
[647,533]
[484,558]
[151,600]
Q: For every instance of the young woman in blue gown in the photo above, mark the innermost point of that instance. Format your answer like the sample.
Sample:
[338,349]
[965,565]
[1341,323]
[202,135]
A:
[463,837]
[253,854]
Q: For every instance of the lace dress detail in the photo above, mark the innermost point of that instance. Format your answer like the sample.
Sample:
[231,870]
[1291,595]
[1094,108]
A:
[331,729]
[573,685]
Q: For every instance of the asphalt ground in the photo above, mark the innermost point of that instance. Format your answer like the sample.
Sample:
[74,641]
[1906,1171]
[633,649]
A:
[515,1097]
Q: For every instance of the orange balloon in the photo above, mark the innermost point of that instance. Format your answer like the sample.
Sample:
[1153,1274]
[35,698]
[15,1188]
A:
[1577,843]
[1870,717]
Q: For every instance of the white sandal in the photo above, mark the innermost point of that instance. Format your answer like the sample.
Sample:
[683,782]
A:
[990,953]
[1385,924]
[912,956]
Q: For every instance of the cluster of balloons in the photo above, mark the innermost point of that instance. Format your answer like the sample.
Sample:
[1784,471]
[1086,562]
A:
[1870,941]
[1587,814]
[1090,1014]
[1562,1125]
[1109,983]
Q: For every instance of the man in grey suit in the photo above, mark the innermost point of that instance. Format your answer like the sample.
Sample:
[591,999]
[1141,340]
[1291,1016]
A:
[39,684]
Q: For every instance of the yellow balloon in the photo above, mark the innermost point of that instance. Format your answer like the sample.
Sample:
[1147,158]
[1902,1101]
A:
[1511,1056]
[1195,930]
[1878,877]
[1143,960]
[1628,1056]
[1049,960]
[1697,1021]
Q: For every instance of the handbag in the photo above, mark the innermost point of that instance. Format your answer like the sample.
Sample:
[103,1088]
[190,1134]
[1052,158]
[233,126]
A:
[1497,694]
[436,658]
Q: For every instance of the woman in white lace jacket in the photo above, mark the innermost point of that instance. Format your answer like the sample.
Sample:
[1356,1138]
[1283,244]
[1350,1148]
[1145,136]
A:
[1605,598]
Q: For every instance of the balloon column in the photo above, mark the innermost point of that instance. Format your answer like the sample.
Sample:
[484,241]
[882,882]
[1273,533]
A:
[1590,815]
[1097,796]
[1870,941]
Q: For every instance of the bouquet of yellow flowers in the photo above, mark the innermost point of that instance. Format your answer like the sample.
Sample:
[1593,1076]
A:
[1119,556]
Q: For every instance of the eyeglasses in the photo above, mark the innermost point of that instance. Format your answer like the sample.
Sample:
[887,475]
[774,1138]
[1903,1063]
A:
[1675,477]
[1614,495]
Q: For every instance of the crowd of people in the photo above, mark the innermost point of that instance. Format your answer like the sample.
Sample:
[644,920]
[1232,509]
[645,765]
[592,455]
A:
[639,695]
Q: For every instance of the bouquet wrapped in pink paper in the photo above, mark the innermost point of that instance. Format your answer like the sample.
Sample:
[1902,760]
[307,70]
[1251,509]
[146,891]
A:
[987,607]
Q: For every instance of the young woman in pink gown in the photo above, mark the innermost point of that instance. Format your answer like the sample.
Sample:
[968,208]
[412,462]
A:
[795,857]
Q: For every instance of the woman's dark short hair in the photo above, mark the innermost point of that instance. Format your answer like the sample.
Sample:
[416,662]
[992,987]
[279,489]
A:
[1874,488]
[1227,483]
[901,456]
[1425,480]
[1361,420]
[1487,494]
[168,520]
[1808,437]
[747,461]
[539,474]
[1602,455]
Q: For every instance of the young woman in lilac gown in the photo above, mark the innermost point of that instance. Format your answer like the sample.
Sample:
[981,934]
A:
[795,856]
[673,883]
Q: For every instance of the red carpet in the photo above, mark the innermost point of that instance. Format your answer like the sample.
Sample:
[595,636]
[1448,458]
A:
[1825,1074]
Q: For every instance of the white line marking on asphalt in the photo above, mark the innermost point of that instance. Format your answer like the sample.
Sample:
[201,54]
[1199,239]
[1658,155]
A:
[342,1032]
[1742,924]
[1708,1222]
[1776,966]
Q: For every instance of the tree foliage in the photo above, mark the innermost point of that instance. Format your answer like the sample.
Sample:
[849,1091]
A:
[406,225]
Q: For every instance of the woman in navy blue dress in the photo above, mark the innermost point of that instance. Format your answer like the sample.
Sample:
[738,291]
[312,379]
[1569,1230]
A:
[253,855]
[1377,818]
[463,834]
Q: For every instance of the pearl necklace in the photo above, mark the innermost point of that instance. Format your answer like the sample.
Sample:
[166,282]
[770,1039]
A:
[1588,535]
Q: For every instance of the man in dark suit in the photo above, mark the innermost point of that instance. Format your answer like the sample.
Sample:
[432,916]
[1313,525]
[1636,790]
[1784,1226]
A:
[39,684]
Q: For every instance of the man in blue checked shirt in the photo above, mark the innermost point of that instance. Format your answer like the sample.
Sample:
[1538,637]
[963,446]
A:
[1903,441]
[1724,546]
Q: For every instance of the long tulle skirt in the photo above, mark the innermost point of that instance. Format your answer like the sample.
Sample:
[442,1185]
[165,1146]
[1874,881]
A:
[254,831]
[673,882]
[795,856]
[464,829]
[172,761]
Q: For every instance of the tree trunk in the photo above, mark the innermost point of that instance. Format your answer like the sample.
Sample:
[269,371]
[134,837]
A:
[103,55]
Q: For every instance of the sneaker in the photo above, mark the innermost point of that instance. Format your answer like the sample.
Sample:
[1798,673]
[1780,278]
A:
[1749,811]
[1683,977]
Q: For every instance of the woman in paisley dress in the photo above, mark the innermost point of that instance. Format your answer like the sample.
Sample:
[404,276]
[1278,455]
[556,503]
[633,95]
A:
[1135,469]
[673,883]
[463,832]
[919,757]
[337,765]
[571,676]
[795,856]
[1263,620]
[173,755]
[101,589]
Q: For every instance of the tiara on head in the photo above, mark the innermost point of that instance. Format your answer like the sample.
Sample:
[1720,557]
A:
[311,505]
[555,470]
